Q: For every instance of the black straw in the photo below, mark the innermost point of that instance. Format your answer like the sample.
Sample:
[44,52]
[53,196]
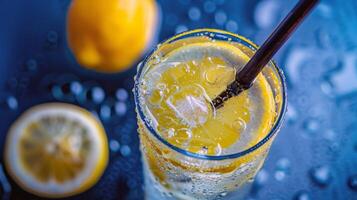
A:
[246,76]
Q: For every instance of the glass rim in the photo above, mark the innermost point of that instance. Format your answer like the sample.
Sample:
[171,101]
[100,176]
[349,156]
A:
[277,124]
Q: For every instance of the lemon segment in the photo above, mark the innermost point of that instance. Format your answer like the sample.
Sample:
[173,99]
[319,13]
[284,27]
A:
[56,150]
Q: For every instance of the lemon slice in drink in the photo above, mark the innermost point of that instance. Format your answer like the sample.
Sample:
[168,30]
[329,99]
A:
[56,150]
[190,76]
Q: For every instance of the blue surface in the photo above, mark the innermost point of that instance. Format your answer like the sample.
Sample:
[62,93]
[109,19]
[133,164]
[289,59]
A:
[314,155]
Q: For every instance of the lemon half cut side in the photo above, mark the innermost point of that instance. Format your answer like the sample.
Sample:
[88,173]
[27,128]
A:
[56,150]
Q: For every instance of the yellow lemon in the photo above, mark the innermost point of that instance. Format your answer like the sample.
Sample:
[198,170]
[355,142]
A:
[109,36]
[56,150]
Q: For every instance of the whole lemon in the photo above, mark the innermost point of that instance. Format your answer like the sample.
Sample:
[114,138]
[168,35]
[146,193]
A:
[110,35]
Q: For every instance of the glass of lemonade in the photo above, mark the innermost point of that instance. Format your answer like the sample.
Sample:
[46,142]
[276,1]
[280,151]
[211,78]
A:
[189,149]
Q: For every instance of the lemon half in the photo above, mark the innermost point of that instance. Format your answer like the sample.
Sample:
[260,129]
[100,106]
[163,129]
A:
[56,150]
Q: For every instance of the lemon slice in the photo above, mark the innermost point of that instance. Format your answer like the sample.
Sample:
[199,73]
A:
[208,67]
[56,150]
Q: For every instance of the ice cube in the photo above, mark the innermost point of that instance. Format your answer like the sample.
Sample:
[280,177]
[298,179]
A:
[191,105]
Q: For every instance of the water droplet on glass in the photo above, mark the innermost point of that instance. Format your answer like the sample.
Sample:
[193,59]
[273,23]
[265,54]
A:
[31,65]
[52,37]
[122,94]
[321,175]
[352,182]
[220,17]
[194,13]
[114,145]
[125,150]
[180,29]
[232,26]
[120,108]
[302,195]
[266,13]
[12,103]
[324,10]
[209,6]
[223,194]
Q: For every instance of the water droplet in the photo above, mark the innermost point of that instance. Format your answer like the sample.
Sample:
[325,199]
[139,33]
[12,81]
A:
[311,125]
[120,108]
[194,13]
[125,150]
[114,145]
[209,6]
[330,135]
[11,102]
[283,164]
[97,94]
[266,13]
[261,178]
[31,65]
[76,87]
[220,17]
[326,87]
[232,26]
[105,112]
[352,182]
[52,36]
[302,195]
[279,175]
[180,29]
[321,175]
[122,94]
[223,194]
[324,10]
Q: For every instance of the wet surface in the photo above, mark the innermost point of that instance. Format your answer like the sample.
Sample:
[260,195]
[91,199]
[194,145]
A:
[314,155]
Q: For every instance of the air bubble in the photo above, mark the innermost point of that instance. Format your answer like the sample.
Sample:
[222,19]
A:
[261,178]
[321,176]
[352,182]
[239,125]
[12,103]
[122,94]
[283,164]
[220,17]
[125,150]
[194,13]
[311,125]
[266,13]
[279,175]
[114,145]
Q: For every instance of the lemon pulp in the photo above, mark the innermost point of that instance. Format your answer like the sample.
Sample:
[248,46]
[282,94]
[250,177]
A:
[178,94]
[56,150]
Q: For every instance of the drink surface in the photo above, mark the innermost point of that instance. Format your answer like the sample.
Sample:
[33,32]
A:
[179,89]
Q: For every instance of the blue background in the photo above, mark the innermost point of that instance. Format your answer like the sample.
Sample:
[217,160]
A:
[314,155]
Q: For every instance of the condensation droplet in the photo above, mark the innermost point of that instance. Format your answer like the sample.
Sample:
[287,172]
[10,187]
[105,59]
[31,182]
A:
[125,150]
[120,108]
[180,28]
[232,26]
[97,94]
[352,182]
[302,195]
[220,17]
[12,103]
[209,6]
[122,94]
[114,145]
[105,112]
[76,87]
[321,176]
[194,13]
